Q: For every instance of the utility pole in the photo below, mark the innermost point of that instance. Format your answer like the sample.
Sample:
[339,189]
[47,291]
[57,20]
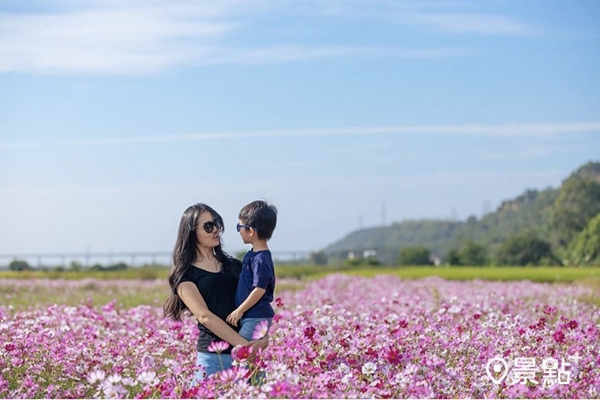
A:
[454,214]
[486,206]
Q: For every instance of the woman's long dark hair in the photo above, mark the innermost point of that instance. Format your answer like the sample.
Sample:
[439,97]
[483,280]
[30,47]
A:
[184,255]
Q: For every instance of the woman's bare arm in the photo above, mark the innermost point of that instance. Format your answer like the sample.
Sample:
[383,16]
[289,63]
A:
[192,298]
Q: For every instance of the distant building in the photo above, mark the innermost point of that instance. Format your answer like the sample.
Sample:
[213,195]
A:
[366,257]
[369,253]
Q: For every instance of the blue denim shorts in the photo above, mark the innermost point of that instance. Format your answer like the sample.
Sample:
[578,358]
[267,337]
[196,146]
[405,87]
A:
[210,363]
[249,324]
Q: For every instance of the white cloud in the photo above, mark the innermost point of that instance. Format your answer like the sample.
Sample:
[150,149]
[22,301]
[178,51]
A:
[139,37]
[117,39]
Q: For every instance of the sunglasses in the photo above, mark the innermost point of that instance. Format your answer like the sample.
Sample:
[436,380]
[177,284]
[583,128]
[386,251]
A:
[209,226]
[240,226]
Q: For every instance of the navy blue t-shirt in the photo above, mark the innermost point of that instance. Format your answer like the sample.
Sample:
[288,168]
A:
[257,271]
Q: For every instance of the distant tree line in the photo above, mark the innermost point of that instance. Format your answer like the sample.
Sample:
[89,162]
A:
[550,227]
[583,249]
[22,265]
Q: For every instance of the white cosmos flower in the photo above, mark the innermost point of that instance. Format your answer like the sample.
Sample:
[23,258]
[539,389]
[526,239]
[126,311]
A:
[170,363]
[114,391]
[279,367]
[146,377]
[343,368]
[114,379]
[96,376]
[293,379]
[369,368]
[454,310]
[266,388]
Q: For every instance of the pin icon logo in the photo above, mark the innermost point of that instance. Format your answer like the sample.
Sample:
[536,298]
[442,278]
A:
[494,367]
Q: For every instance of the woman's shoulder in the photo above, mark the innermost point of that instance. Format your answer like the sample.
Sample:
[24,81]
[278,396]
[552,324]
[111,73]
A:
[190,274]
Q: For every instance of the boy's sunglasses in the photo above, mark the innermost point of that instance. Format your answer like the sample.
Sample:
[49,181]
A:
[209,226]
[240,226]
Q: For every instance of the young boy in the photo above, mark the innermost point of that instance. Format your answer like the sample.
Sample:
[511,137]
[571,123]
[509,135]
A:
[257,280]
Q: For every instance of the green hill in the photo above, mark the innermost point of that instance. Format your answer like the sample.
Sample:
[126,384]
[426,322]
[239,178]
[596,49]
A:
[556,215]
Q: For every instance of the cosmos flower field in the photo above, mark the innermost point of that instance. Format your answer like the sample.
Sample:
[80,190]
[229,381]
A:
[338,337]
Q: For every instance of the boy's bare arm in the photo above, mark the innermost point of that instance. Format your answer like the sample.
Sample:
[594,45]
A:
[252,299]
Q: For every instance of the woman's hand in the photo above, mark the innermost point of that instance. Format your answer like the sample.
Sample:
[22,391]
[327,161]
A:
[260,343]
[256,345]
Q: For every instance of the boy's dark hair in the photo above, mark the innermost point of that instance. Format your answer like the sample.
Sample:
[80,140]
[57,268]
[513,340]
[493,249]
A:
[261,216]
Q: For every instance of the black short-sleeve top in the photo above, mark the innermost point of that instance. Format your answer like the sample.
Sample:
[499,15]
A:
[218,291]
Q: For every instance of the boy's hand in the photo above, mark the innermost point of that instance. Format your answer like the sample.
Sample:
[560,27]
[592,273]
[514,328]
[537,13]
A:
[234,317]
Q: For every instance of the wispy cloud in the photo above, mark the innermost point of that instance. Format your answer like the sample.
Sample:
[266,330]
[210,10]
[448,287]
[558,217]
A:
[442,16]
[140,37]
[515,130]
[19,145]
[501,130]
[292,184]
[286,54]
[472,23]
[532,152]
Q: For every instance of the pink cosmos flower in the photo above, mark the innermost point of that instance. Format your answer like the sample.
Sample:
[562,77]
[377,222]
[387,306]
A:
[218,346]
[559,336]
[261,330]
[279,388]
[549,310]
[241,352]
[232,374]
[573,324]
[417,352]
[309,331]
[393,356]
[147,361]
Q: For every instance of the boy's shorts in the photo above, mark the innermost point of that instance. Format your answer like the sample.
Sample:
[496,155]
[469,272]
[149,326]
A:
[249,324]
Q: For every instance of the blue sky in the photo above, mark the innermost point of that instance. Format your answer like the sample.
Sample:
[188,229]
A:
[116,116]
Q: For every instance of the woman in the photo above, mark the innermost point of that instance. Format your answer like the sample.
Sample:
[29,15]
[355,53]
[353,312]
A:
[203,282]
